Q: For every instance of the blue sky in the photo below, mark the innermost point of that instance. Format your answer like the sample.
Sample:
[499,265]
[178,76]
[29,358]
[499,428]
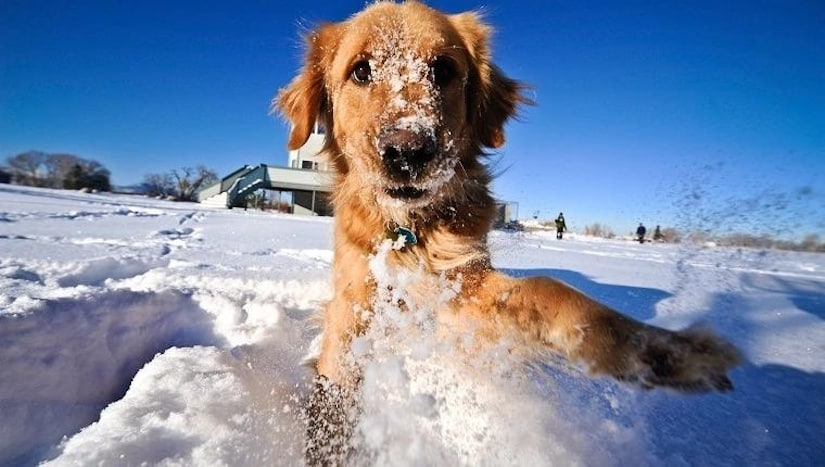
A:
[696,115]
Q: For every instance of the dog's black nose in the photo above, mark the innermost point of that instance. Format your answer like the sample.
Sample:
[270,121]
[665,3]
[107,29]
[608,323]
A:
[405,153]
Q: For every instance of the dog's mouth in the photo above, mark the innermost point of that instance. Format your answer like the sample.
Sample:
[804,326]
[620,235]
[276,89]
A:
[405,192]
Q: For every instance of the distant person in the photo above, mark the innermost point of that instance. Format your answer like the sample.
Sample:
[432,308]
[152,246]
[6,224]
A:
[640,233]
[657,234]
[561,226]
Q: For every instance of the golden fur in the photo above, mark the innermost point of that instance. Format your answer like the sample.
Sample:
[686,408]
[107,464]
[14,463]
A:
[410,98]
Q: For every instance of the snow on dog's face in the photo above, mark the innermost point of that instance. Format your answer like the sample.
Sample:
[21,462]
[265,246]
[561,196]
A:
[392,83]
[407,95]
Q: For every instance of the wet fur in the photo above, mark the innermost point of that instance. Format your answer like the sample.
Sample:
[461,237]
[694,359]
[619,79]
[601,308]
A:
[465,116]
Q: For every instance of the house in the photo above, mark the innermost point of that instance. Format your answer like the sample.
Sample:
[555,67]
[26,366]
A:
[307,178]
[308,156]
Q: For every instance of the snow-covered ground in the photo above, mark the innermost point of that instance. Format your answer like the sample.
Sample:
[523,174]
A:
[144,332]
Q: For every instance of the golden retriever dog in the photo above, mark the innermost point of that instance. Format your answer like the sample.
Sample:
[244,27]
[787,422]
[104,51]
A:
[410,99]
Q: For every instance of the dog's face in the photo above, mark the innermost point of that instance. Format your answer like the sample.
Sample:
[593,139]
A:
[398,88]
[409,98]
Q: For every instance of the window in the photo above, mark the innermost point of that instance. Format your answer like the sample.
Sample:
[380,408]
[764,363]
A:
[307,164]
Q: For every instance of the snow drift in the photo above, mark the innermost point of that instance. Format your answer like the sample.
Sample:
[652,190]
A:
[142,332]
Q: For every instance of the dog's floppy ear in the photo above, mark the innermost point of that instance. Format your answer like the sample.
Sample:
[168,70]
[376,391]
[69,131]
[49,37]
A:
[305,100]
[493,98]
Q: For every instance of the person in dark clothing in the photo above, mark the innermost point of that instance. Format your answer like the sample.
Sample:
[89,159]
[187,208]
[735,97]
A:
[640,233]
[657,234]
[560,226]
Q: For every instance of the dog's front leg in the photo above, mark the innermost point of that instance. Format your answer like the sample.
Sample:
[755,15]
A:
[549,313]
[330,414]
[332,408]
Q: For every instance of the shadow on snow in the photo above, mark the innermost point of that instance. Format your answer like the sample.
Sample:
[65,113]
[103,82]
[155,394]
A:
[66,361]
[775,415]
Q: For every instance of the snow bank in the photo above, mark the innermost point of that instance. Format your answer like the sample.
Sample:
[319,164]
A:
[143,332]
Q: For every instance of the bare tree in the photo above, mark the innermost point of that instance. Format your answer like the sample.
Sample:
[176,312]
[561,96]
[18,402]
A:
[26,168]
[811,243]
[160,185]
[58,168]
[188,181]
[599,230]
[182,184]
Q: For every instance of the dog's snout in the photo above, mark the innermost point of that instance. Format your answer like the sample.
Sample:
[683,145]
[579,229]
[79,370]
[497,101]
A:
[405,153]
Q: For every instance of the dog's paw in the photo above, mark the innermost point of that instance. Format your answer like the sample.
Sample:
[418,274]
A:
[329,415]
[691,360]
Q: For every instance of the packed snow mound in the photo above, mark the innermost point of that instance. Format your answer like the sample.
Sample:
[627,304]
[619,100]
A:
[145,332]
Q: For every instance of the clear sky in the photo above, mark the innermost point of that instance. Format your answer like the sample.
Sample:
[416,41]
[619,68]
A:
[701,114]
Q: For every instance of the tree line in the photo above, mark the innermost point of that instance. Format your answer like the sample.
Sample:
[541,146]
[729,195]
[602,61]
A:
[67,171]
[71,172]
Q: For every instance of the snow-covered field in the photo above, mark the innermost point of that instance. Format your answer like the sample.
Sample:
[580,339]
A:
[143,332]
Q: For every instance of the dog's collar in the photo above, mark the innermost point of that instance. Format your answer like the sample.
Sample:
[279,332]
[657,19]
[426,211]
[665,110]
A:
[395,231]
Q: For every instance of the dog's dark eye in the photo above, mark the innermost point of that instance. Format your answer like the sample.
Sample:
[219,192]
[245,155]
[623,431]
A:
[361,72]
[442,71]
